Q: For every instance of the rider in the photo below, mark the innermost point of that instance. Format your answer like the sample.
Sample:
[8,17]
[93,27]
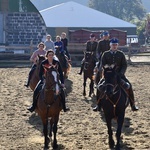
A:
[49,43]
[33,59]
[91,46]
[103,45]
[59,45]
[65,43]
[117,57]
[48,62]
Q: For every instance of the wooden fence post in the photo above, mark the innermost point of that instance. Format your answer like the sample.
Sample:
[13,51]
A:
[31,47]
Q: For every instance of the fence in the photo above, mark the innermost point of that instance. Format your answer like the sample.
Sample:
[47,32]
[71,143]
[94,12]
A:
[19,56]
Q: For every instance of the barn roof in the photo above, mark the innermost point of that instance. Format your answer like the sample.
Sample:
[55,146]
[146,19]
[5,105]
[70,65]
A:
[72,14]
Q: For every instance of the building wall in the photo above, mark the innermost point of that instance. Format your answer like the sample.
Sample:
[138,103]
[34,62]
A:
[21,28]
[22,22]
[57,31]
[1,29]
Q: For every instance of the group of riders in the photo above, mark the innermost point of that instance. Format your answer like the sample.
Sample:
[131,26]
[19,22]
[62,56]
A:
[48,49]
[105,51]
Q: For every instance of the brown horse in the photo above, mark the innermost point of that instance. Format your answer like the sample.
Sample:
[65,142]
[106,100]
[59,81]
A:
[35,76]
[49,105]
[62,59]
[89,64]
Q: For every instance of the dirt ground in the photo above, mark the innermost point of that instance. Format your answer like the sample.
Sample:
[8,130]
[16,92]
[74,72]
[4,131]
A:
[81,128]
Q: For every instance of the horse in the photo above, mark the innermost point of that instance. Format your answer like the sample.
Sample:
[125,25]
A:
[65,69]
[89,64]
[35,75]
[49,105]
[97,78]
[114,102]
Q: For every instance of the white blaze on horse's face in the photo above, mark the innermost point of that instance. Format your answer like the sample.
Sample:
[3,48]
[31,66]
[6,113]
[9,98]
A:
[55,78]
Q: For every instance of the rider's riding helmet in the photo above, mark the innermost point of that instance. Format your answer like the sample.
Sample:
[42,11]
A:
[92,35]
[105,33]
[114,41]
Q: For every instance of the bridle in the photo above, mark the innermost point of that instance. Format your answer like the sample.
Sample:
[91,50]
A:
[115,91]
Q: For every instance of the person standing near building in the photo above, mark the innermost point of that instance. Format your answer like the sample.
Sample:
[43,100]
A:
[65,43]
[49,43]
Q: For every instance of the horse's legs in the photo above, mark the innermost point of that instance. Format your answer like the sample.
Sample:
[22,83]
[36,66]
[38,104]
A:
[91,88]
[119,128]
[84,85]
[50,129]
[45,130]
[55,131]
[110,133]
[65,74]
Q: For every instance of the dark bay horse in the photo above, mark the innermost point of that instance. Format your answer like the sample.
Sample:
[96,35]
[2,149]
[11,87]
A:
[62,59]
[89,64]
[97,78]
[113,103]
[35,76]
[49,105]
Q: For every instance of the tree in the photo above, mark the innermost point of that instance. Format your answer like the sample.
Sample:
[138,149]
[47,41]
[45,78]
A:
[124,9]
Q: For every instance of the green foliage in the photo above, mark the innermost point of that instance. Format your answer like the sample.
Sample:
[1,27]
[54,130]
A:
[140,25]
[124,9]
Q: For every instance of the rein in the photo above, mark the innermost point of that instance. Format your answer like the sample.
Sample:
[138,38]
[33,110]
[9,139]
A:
[114,104]
[52,87]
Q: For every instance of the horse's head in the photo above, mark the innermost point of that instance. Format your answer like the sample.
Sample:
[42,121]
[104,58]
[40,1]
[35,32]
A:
[111,79]
[40,59]
[88,56]
[52,79]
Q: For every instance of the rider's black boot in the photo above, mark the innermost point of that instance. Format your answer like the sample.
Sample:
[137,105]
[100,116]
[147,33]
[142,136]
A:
[132,101]
[28,82]
[81,70]
[35,96]
[63,100]
[30,75]
[33,106]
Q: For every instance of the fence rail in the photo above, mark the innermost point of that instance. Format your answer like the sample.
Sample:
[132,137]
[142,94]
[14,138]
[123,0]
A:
[20,55]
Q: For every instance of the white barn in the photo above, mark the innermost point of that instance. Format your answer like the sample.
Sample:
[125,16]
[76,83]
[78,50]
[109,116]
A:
[71,16]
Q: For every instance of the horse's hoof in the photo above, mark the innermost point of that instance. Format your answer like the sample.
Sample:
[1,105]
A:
[117,147]
[46,147]
[48,140]
[84,94]
[111,144]
[55,146]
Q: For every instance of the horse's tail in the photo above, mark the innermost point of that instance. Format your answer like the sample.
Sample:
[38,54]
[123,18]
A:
[68,69]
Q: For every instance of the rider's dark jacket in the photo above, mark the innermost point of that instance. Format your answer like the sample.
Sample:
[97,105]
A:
[103,45]
[65,43]
[91,46]
[46,63]
[117,58]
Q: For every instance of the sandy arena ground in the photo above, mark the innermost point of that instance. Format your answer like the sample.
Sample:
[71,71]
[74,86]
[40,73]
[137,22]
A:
[79,129]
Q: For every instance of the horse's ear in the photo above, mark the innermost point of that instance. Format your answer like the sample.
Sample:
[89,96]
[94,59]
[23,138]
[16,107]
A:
[38,55]
[112,66]
[106,66]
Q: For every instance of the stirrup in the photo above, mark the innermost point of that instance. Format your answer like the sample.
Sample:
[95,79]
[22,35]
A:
[66,109]
[26,85]
[31,108]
